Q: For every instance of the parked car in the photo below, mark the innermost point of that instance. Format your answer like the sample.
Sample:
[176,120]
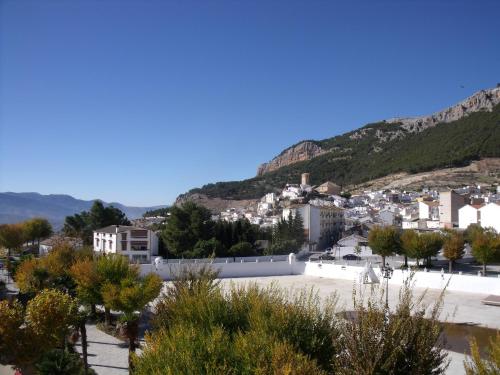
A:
[326,257]
[351,257]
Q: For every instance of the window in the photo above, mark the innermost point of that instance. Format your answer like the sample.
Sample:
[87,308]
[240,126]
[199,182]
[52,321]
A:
[139,233]
[124,245]
[110,244]
[139,245]
[124,236]
[97,242]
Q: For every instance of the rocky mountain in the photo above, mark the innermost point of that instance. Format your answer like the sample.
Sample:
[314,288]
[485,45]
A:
[453,138]
[15,207]
[484,100]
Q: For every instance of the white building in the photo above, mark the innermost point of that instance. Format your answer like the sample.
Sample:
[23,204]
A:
[322,224]
[490,216]
[138,244]
[428,210]
[468,215]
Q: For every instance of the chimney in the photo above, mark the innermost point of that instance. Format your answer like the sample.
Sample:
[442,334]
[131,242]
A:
[116,229]
[305,179]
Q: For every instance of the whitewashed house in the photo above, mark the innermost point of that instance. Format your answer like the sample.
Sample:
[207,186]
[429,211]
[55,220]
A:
[490,216]
[468,215]
[138,244]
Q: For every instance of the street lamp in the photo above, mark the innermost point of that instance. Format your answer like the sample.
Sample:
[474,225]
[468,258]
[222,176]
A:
[387,274]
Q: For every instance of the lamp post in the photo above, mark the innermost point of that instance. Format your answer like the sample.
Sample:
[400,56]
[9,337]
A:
[387,274]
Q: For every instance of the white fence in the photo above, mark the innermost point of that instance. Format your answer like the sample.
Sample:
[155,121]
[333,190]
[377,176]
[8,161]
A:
[227,267]
[280,266]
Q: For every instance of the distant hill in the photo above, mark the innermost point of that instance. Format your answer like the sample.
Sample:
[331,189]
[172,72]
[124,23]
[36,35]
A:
[466,132]
[15,207]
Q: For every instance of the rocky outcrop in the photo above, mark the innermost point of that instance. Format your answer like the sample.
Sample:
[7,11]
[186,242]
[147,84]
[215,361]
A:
[303,151]
[483,100]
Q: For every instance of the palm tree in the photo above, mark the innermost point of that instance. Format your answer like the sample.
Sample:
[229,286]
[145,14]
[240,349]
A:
[130,297]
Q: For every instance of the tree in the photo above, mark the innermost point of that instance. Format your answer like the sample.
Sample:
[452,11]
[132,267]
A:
[50,316]
[12,236]
[206,249]
[81,225]
[130,297]
[37,229]
[60,362]
[112,269]
[453,248]
[31,276]
[472,231]
[384,241]
[477,365]
[430,243]
[88,282]
[11,320]
[187,225]
[242,249]
[411,245]
[486,248]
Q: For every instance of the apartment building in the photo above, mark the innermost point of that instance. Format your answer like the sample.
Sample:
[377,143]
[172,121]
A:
[449,204]
[138,244]
[322,224]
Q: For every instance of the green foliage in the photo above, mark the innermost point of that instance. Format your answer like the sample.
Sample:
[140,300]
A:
[11,319]
[202,328]
[50,315]
[420,246]
[81,225]
[37,229]
[12,236]
[407,341]
[61,362]
[453,248]
[486,247]
[187,225]
[484,366]
[288,235]
[242,249]
[353,161]
[384,241]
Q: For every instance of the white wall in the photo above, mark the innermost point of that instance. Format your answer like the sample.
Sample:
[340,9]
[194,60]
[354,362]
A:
[467,215]
[226,270]
[421,279]
[490,216]
[431,280]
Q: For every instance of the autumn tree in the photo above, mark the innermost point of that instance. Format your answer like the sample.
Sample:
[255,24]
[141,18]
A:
[112,269]
[384,241]
[486,248]
[11,320]
[50,315]
[130,297]
[453,248]
[410,244]
[37,229]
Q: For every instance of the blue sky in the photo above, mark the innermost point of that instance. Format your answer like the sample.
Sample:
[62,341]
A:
[139,101]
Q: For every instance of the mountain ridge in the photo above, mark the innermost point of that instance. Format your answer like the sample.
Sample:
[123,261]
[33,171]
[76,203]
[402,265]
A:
[484,100]
[15,207]
[469,131]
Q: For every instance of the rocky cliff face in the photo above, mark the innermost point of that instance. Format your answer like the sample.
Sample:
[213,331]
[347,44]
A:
[483,100]
[302,151]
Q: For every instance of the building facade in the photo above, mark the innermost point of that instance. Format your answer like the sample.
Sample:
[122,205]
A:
[490,216]
[449,204]
[138,244]
[323,225]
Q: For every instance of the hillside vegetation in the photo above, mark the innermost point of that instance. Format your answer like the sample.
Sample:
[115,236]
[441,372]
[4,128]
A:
[383,149]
